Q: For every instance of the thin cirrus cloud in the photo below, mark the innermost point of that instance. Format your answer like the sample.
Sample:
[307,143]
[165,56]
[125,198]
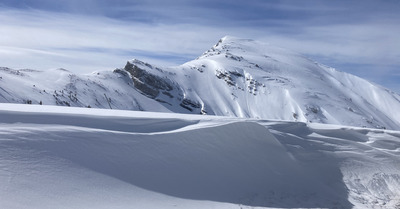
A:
[359,37]
[100,42]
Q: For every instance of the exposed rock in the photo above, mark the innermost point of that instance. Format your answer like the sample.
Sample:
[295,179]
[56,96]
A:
[149,84]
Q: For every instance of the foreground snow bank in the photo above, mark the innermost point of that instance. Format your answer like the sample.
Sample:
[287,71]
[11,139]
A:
[54,157]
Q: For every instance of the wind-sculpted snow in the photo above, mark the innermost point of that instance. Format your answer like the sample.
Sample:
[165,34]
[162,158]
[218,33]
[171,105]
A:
[59,157]
[236,77]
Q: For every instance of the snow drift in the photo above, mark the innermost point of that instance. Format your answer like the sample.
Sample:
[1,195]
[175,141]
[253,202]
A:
[54,157]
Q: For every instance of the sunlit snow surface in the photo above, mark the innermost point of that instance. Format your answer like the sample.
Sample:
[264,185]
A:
[60,157]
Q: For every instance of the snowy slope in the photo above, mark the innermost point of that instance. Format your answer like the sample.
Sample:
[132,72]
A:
[110,90]
[247,78]
[236,77]
[58,157]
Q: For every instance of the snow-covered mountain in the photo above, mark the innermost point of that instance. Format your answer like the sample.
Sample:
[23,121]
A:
[236,77]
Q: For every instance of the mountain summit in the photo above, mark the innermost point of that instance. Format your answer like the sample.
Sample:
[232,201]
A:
[247,78]
[236,77]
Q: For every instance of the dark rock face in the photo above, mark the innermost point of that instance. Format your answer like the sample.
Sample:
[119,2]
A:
[149,84]
[190,105]
[161,89]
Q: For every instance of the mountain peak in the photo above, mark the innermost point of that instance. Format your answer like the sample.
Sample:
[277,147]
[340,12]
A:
[243,47]
[223,46]
[235,42]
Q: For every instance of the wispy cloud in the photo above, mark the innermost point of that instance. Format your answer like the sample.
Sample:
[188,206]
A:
[87,35]
[73,37]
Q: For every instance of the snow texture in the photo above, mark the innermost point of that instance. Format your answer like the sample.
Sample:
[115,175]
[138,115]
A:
[67,157]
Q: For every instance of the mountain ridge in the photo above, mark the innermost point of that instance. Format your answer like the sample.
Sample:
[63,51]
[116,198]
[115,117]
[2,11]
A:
[236,77]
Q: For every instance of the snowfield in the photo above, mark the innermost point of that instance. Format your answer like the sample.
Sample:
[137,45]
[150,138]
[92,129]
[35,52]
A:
[66,157]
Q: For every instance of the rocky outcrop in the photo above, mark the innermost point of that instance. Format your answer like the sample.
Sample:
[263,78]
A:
[159,87]
[148,84]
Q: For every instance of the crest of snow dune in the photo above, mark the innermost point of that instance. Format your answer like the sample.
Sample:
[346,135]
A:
[58,157]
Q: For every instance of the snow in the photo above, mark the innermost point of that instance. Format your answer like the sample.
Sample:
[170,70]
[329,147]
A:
[61,87]
[67,157]
[236,77]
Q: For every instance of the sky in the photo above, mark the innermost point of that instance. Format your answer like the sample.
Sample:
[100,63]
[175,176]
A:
[355,36]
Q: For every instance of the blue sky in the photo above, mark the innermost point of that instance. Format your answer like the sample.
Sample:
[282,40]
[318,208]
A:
[360,37]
